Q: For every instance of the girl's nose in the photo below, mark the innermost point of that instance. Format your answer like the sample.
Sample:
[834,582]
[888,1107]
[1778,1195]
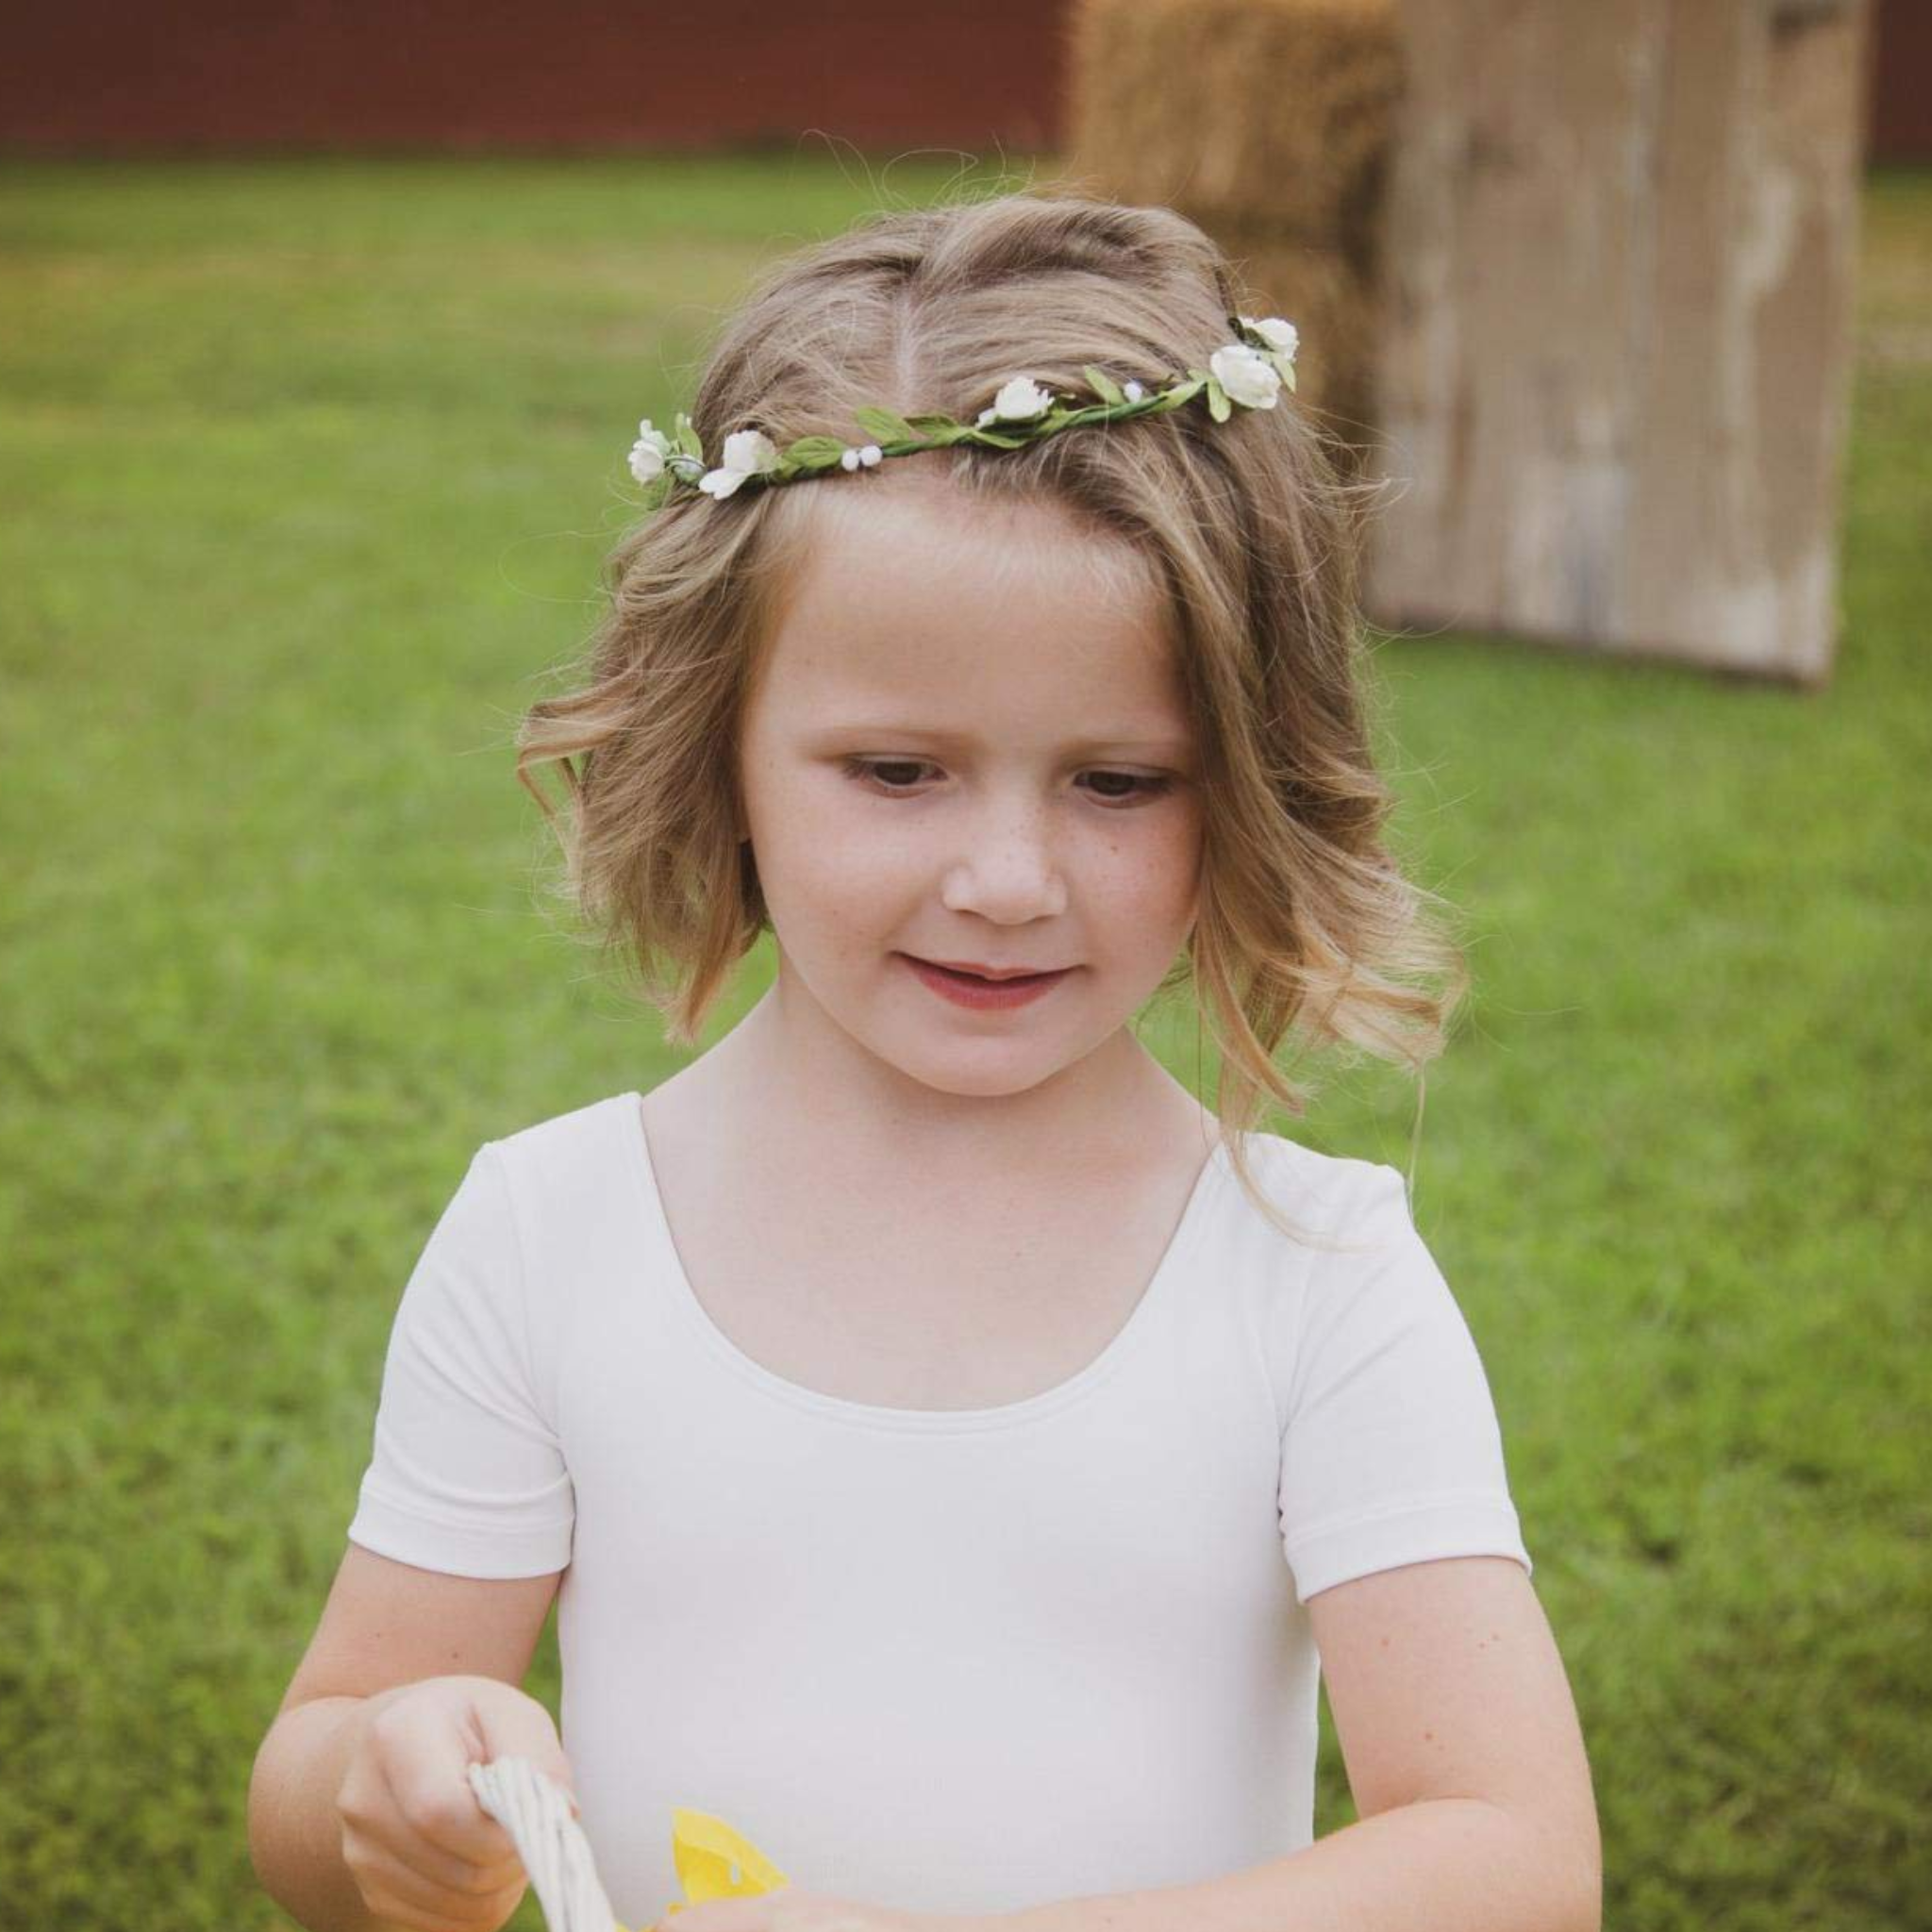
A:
[1006,868]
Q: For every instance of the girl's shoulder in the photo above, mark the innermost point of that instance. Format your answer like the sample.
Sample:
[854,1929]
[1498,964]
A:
[1330,1198]
[568,1163]
[1360,1330]
[571,1131]
[1307,1167]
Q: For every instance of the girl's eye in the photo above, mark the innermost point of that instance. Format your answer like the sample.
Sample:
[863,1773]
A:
[877,769]
[1147,787]
[891,775]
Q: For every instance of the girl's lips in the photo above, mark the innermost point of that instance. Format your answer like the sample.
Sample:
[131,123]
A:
[963,989]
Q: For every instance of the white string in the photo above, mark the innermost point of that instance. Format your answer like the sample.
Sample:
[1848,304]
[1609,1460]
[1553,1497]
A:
[535,1811]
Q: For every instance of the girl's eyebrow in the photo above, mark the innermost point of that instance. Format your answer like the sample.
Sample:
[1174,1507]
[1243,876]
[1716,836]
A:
[1163,743]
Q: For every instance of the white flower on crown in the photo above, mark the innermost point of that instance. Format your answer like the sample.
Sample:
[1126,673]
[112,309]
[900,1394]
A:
[1019,401]
[865,456]
[747,453]
[648,452]
[1249,377]
[1283,338]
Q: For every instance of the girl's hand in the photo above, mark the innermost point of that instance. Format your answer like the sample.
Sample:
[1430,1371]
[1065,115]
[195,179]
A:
[788,1910]
[423,1852]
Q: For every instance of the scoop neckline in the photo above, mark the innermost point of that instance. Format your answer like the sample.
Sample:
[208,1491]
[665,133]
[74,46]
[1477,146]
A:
[1168,1270]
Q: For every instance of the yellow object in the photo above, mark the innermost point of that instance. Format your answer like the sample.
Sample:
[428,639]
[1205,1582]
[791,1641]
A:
[714,1861]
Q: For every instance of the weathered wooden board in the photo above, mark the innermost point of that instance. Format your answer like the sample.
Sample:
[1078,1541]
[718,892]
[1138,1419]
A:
[1612,376]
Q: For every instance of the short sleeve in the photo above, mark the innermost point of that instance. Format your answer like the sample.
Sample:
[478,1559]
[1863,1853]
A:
[1391,1453]
[467,1473]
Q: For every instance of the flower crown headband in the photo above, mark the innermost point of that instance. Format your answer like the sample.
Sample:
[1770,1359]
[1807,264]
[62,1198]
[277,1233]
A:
[1250,371]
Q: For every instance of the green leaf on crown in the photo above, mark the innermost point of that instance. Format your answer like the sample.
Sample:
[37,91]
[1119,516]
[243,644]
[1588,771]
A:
[887,425]
[815,452]
[1104,386]
[1185,393]
[938,430]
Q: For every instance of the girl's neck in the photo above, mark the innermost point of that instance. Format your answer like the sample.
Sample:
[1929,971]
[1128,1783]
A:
[786,1081]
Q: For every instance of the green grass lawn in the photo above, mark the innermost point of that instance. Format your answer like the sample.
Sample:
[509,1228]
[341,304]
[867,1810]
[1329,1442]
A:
[307,472]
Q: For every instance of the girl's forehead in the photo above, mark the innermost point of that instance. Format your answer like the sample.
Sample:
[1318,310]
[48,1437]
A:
[992,632]
[907,586]
[914,527]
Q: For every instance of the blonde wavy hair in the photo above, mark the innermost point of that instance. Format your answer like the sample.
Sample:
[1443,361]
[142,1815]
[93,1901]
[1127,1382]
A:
[1308,931]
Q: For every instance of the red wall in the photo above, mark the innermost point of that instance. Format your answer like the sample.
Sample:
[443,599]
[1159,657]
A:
[107,76]
[100,78]
[1901,129]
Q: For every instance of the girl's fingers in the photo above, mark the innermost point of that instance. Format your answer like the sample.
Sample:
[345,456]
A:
[416,1858]
[400,1895]
[388,1843]
[521,1727]
[430,1785]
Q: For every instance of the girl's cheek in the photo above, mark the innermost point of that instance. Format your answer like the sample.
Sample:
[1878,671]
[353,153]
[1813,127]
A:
[1163,861]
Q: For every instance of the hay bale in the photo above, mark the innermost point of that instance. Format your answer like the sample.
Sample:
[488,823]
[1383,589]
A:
[1249,112]
[1267,121]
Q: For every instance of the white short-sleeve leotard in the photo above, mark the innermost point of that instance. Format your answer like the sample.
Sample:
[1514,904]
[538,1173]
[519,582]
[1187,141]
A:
[960,1660]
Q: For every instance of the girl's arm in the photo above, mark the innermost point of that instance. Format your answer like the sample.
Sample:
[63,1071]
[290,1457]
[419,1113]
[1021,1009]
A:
[294,1831]
[387,1630]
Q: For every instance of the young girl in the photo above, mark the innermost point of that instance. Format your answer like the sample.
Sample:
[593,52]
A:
[954,1451]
